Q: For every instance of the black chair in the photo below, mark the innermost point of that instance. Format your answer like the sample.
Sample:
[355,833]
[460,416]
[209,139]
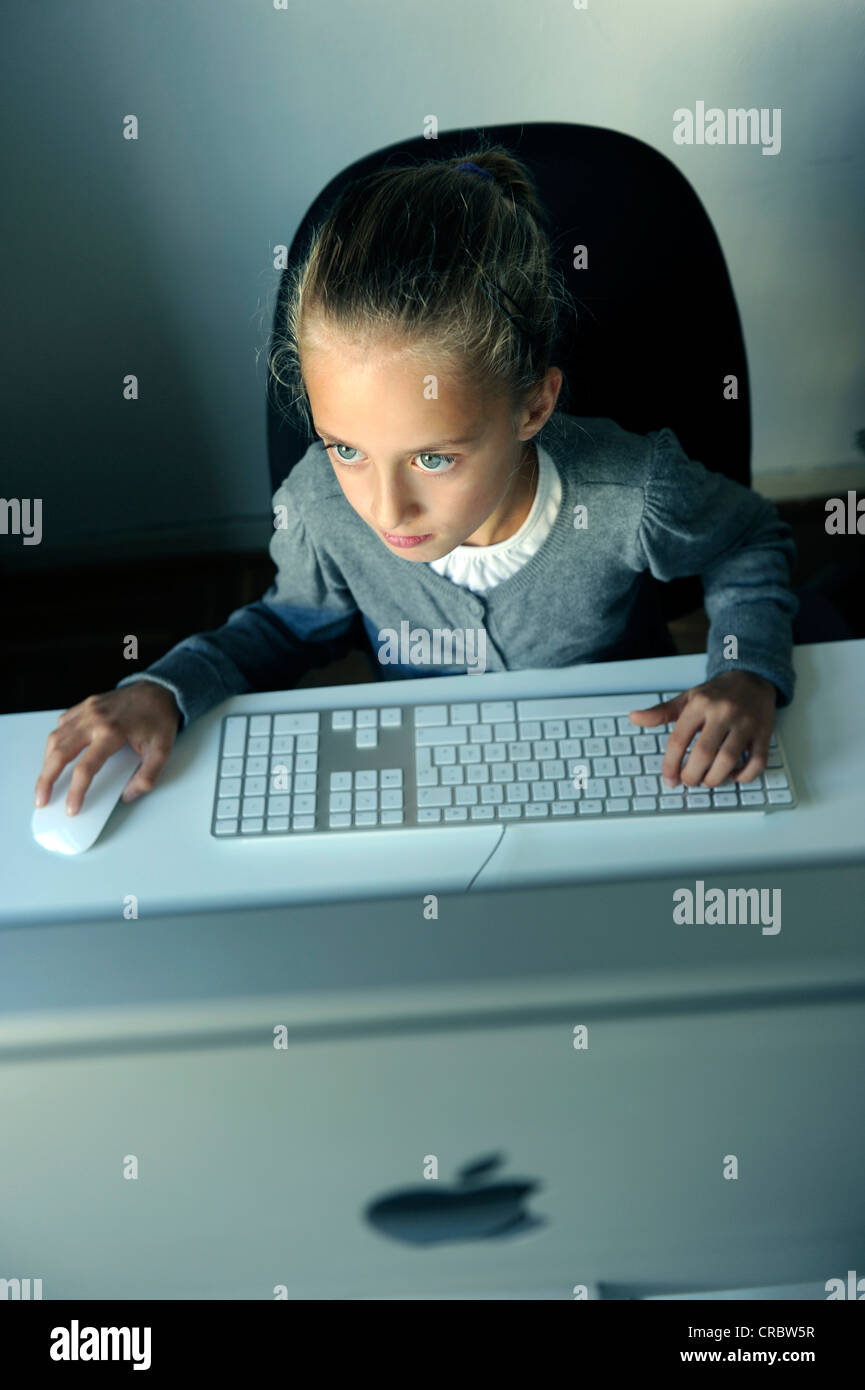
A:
[658,330]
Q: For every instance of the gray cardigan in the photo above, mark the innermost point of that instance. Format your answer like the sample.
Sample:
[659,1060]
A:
[581,597]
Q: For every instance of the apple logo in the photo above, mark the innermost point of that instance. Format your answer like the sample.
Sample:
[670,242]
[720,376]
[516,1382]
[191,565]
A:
[472,1209]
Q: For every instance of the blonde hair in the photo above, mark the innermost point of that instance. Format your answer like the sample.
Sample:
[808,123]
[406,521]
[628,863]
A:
[440,260]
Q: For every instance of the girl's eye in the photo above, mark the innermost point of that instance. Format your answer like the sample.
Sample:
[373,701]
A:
[448,458]
[343,446]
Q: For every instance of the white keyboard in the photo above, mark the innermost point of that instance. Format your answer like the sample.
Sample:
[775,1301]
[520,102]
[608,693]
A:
[576,758]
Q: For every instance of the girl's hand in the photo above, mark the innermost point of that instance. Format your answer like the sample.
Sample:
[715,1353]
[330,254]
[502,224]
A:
[144,714]
[736,711]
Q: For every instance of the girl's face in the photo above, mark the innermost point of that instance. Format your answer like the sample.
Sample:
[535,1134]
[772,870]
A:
[428,463]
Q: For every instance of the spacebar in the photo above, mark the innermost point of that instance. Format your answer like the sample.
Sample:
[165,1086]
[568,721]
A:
[574,706]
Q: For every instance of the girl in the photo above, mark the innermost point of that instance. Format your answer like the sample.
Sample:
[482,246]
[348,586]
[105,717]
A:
[447,493]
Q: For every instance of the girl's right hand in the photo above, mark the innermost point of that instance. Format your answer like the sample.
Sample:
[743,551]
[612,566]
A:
[145,715]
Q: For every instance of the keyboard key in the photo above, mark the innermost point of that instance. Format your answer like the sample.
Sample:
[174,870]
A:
[529,728]
[434,796]
[563,808]
[452,776]
[253,806]
[365,817]
[629,767]
[672,803]
[392,817]
[590,808]
[231,767]
[604,726]
[504,733]
[390,718]
[365,778]
[771,779]
[495,753]
[228,808]
[497,709]
[555,728]
[698,800]
[645,743]
[259,724]
[426,716]
[229,786]
[340,781]
[644,803]
[511,811]
[252,826]
[391,799]
[482,812]
[621,786]
[307,743]
[464,714]
[443,756]
[492,795]
[304,781]
[780,796]
[366,801]
[366,719]
[430,738]
[517,791]
[255,786]
[276,824]
[390,777]
[456,813]
[428,816]
[342,719]
[225,827]
[466,796]
[620,744]
[278,806]
[295,723]
[366,738]
[303,823]
[302,805]
[481,733]
[595,747]
[753,798]
[339,820]
[724,799]
[616,805]
[536,809]
[234,741]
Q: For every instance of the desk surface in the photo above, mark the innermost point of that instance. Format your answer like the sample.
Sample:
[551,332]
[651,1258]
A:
[160,848]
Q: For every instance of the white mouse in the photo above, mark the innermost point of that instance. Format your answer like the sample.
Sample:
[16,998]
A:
[53,829]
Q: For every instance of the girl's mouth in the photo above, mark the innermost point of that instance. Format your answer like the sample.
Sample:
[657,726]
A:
[405,542]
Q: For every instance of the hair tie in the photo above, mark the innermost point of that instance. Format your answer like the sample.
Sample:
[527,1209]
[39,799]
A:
[475,169]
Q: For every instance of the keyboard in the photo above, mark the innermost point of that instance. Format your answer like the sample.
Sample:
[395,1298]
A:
[575,758]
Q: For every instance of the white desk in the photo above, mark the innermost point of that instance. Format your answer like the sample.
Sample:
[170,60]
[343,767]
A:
[452,1036]
[160,847]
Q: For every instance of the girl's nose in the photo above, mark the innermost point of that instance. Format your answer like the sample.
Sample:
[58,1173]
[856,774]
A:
[391,508]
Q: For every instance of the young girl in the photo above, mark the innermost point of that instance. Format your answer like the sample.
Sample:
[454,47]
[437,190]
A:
[448,495]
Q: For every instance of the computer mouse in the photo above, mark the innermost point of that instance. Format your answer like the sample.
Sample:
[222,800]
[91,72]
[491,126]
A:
[54,830]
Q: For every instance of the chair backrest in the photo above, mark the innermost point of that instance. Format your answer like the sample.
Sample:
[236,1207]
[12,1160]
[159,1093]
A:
[658,330]
[657,335]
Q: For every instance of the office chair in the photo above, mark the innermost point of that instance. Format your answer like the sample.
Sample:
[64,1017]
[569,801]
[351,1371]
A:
[658,330]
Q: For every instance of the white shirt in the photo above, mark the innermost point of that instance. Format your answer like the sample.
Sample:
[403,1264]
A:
[481,567]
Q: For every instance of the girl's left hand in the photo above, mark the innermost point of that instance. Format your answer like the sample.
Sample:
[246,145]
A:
[736,711]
